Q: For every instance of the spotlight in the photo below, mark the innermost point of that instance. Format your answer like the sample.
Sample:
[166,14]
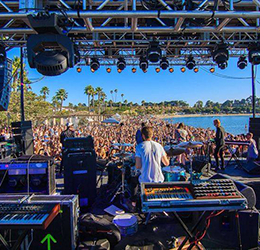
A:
[212,70]
[190,63]
[164,64]
[92,70]
[254,54]
[196,70]
[108,70]
[133,70]
[94,64]
[242,62]
[220,55]
[121,64]
[157,70]
[143,63]
[119,70]
[154,52]
[183,69]
[145,71]
[171,70]
[79,69]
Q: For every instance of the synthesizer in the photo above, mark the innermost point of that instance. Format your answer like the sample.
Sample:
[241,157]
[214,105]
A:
[200,195]
[27,216]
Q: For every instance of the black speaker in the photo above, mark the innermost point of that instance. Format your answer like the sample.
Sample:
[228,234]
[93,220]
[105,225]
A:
[5,88]
[223,230]
[252,167]
[254,127]
[200,164]
[23,136]
[80,172]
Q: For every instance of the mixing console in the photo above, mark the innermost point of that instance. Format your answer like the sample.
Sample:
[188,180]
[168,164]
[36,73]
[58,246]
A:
[216,188]
[27,215]
[215,194]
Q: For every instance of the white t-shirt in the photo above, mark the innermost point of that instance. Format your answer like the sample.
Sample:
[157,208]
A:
[151,154]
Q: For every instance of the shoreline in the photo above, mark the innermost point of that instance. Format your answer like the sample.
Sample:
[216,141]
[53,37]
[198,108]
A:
[198,115]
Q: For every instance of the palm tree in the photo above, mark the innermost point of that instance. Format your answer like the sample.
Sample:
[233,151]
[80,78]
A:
[61,96]
[94,92]
[122,96]
[45,92]
[88,91]
[125,102]
[111,92]
[143,102]
[110,103]
[99,91]
[115,94]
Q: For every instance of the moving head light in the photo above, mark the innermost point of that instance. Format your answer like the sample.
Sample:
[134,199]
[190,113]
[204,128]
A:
[220,55]
[190,63]
[121,64]
[254,54]
[164,64]
[50,52]
[154,52]
[242,62]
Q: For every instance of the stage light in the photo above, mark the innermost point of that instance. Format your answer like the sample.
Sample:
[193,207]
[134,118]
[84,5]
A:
[50,51]
[254,54]
[220,55]
[164,64]
[94,64]
[242,62]
[79,69]
[183,69]
[171,70]
[119,70]
[212,70]
[190,63]
[121,64]
[133,70]
[143,64]
[108,70]
[92,70]
[154,52]
[157,70]
[196,70]
[145,71]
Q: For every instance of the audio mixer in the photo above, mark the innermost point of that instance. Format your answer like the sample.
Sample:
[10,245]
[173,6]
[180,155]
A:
[200,195]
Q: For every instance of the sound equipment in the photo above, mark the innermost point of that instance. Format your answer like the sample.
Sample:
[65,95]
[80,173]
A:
[252,167]
[223,232]
[254,127]
[23,136]
[63,228]
[200,164]
[5,86]
[28,174]
[79,161]
[201,195]
[31,216]
[245,190]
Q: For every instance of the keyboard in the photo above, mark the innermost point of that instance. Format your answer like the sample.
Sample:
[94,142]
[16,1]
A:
[30,216]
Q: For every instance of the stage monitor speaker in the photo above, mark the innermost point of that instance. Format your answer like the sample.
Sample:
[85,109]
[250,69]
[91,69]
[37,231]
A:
[223,230]
[23,136]
[80,173]
[252,167]
[5,87]
[244,189]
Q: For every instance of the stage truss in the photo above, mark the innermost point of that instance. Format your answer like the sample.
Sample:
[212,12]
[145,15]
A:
[111,29]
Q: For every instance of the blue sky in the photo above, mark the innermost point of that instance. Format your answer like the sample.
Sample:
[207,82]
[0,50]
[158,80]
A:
[150,86]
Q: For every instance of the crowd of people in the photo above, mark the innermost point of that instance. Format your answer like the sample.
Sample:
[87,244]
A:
[48,141]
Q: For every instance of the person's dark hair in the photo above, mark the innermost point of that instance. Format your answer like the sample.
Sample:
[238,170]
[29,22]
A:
[147,132]
[181,125]
[142,124]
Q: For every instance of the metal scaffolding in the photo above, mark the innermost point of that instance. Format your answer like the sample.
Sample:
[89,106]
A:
[111,29]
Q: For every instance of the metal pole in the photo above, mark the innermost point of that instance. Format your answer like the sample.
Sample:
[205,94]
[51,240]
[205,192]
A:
[253,90]
[22,89]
